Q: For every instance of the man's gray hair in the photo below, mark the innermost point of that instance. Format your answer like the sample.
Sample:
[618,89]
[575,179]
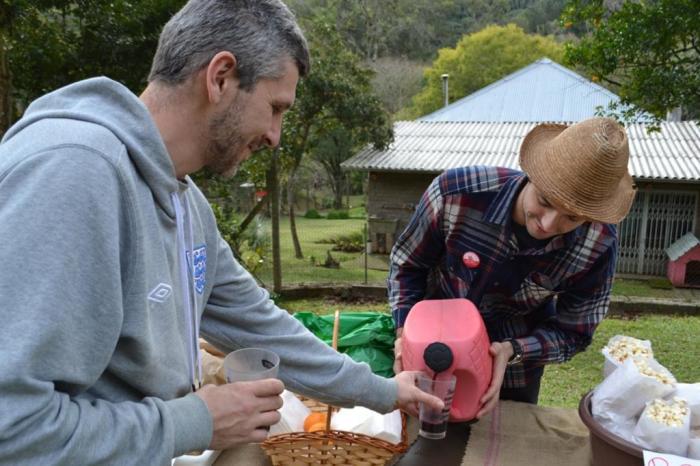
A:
[261,34]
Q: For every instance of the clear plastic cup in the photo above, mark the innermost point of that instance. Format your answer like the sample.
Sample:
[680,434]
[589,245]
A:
[433,422]
[251,364]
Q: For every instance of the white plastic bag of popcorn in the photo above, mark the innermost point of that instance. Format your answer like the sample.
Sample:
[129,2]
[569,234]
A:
[622,347]
[690,392]
[624,394]
[664,426]
[694,448]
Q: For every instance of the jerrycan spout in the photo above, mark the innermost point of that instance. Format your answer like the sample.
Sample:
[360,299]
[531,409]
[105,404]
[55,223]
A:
[438,357]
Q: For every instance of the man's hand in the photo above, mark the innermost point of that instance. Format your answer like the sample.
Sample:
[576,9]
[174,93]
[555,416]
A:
[501,352]
[243,411]
[398,365]
[410,395]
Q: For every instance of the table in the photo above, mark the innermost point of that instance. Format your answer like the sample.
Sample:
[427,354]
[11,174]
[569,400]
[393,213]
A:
[514,434]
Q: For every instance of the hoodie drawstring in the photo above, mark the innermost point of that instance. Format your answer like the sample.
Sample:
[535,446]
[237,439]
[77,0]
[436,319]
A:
[186,282]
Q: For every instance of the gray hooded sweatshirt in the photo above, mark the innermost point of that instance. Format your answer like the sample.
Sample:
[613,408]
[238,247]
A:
[111,268]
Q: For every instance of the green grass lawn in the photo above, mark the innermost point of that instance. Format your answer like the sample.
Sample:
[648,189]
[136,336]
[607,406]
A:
[674,341]
[302,271]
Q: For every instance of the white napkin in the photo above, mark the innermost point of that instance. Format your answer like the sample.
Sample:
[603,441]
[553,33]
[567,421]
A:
[365,421]
[293,413]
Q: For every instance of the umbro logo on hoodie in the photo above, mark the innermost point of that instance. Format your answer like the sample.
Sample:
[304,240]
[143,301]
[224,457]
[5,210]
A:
[160,293]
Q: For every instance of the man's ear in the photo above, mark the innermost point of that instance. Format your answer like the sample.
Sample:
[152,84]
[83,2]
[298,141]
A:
[221,76]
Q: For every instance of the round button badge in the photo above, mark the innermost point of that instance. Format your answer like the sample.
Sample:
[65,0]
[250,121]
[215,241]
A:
[471,260]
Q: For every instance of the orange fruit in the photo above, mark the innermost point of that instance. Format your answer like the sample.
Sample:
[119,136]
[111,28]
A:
[319,426]
[314,418]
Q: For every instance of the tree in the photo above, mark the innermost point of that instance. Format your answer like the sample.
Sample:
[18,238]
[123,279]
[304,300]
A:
[649,52]
[336,94]
[332,149]
[538,16]
[47,44]
[478,60]
[396,81]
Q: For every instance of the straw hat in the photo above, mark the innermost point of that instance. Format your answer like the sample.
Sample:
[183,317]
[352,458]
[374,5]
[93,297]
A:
[582,167]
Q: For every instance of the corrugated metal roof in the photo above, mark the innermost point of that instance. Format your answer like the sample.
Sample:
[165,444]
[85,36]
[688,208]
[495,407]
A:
[682,245]
[542,91]
[673,153]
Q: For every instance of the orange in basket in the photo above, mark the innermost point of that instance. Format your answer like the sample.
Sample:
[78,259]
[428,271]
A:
[319,426]
[314,419]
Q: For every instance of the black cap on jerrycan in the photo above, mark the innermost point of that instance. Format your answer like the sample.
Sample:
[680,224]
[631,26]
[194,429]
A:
[438,356]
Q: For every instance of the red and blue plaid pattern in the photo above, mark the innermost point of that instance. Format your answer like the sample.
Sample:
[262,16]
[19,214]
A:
[551,297]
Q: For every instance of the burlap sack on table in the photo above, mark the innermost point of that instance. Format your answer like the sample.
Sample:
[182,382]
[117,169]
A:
[518,434]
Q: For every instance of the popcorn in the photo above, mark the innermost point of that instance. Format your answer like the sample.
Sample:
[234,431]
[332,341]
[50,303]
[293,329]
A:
[621,348]
[625,392]
[664,426]
[624,347]
[645,369]
[672,413]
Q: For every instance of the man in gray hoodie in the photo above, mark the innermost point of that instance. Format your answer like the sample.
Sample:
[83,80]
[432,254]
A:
[113,264]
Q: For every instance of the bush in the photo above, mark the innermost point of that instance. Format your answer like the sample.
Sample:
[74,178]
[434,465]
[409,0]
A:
[338,215]
[352,242]
[349,243]
[312,213]
[252,247]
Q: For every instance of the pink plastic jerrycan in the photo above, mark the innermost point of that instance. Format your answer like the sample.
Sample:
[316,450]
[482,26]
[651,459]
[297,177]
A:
[448,336]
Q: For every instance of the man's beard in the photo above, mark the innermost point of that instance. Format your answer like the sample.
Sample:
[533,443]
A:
[226,145]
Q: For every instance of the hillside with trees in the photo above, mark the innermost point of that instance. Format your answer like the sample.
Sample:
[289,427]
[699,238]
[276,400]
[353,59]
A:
[416,29]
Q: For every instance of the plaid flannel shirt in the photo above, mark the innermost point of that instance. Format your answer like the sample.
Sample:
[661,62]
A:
[551,298]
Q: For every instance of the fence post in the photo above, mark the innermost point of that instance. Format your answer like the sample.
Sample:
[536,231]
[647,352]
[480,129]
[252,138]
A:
[364,243]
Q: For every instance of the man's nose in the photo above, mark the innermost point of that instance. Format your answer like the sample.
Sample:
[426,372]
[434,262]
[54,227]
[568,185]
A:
[274,133]
[549,220]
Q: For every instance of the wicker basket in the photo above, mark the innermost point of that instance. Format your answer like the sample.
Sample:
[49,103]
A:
[332,447]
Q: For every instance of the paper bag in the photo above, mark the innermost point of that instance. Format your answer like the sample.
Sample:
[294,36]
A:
[694,448]
[624,394]
[664,426]
[620,348]
[691,393]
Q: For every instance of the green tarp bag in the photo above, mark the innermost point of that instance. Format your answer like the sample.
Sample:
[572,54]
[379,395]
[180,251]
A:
[364,336]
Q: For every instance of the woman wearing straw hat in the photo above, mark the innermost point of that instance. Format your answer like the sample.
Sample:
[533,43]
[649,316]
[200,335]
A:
[534,250]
